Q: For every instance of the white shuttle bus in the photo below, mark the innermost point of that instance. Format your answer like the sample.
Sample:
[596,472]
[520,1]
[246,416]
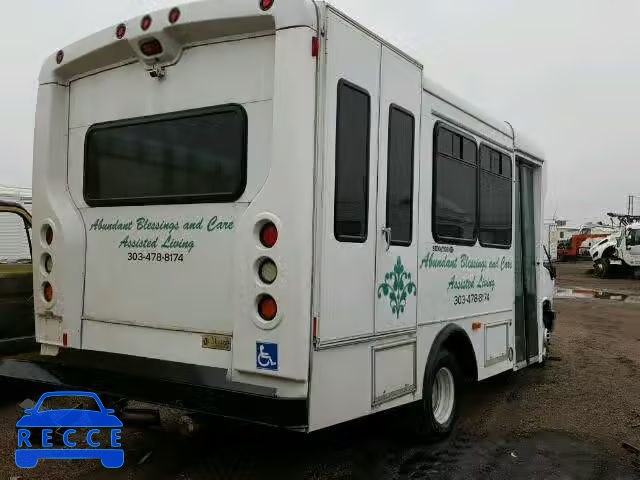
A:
[260,209]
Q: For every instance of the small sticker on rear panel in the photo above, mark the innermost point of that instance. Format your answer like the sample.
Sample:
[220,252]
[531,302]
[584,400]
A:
[217,342]
[266,356]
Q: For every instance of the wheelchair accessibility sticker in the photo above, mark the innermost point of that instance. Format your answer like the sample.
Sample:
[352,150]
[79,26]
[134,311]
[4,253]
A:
[38,427]
[266,356]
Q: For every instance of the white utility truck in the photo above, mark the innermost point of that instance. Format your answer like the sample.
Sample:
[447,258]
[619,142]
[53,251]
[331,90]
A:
[620,251]
[266,204]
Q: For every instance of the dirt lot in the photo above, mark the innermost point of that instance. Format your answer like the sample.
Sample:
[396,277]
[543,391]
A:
[566,420]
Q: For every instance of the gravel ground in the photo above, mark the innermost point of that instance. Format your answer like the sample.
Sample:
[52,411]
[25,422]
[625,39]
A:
[566,420]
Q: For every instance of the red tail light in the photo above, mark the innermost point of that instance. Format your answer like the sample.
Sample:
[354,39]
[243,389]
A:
[268,235]
[47,292]
[267,308]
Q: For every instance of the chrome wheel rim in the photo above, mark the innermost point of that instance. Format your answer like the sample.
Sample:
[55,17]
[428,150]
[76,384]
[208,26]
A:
[443,395]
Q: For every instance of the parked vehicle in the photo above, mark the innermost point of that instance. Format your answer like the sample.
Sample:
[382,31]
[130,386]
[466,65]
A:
[267,202]
[573,249]
[619,252]
[16,279]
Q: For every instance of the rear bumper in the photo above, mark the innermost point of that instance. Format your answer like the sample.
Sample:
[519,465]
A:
[189,387]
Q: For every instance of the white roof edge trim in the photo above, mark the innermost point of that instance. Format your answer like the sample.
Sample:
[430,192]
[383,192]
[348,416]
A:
[462,105]
[285,13]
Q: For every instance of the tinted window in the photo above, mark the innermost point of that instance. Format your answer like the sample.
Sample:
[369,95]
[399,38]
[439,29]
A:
[194,156]
[400,176]
[351,208]
[454,189]
[495,198]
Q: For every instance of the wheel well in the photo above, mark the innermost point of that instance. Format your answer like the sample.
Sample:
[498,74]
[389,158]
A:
[457,342]
[609,252]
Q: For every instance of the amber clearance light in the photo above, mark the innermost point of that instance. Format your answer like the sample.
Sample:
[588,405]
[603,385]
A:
[47,292]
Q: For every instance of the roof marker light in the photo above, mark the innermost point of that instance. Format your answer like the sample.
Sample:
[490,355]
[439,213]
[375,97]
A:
[59,57]
[121,30]
[174,15]
[145,23]
[266,4]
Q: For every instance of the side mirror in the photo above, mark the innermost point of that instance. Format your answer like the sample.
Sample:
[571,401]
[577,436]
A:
[551,269]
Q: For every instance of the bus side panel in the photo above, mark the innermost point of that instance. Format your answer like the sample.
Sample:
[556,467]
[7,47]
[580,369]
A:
[288,192]
[462,292]
[52,205]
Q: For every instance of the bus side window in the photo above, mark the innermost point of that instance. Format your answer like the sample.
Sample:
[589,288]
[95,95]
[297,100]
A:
[454,187]
[495,198]
[353,125]
[400,175]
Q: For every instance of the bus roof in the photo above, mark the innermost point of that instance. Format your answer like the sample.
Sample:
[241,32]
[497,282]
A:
[207,19]
[522,143]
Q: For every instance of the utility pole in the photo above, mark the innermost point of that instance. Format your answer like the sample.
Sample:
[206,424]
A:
[631,204]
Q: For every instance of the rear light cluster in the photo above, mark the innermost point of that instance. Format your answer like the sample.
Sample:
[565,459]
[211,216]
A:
[267,272]
[46,262]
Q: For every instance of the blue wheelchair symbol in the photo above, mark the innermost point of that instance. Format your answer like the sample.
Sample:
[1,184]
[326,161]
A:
[266,356]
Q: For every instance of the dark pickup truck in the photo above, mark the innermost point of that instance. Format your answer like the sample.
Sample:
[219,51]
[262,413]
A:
[16,284]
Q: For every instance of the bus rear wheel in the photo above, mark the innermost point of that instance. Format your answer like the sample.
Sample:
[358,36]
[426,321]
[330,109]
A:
[440,396]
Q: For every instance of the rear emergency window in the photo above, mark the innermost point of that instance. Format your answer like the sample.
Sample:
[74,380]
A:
[187,157]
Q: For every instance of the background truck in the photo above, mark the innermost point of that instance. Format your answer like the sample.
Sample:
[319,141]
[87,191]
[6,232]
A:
[620,251]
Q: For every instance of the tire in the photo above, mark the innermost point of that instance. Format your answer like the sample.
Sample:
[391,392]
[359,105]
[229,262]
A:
[602,268]
[440,397]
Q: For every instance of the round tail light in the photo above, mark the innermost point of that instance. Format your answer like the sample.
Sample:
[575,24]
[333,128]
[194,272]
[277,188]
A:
[47,292]
[47,262]
[268,271]
[268,235]
[47,233]
[267,308]
[266,4]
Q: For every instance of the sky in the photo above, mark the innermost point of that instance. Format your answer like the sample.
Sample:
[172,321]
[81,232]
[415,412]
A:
[566,72]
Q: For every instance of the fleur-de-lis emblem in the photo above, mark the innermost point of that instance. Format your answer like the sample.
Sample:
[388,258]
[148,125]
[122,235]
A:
[397,286]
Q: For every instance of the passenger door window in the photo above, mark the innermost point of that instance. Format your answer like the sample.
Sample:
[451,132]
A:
[351,207]
[400,176]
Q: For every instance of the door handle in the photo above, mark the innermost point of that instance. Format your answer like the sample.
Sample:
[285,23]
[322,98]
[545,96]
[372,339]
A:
[386,233]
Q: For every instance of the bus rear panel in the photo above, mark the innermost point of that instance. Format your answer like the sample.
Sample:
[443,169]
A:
[174,200]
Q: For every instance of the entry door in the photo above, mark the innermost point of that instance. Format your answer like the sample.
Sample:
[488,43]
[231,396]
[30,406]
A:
[526,328]
[350,177]
[397,203]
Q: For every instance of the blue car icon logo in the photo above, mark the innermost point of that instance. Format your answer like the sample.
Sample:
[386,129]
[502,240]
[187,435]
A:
[37,427]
